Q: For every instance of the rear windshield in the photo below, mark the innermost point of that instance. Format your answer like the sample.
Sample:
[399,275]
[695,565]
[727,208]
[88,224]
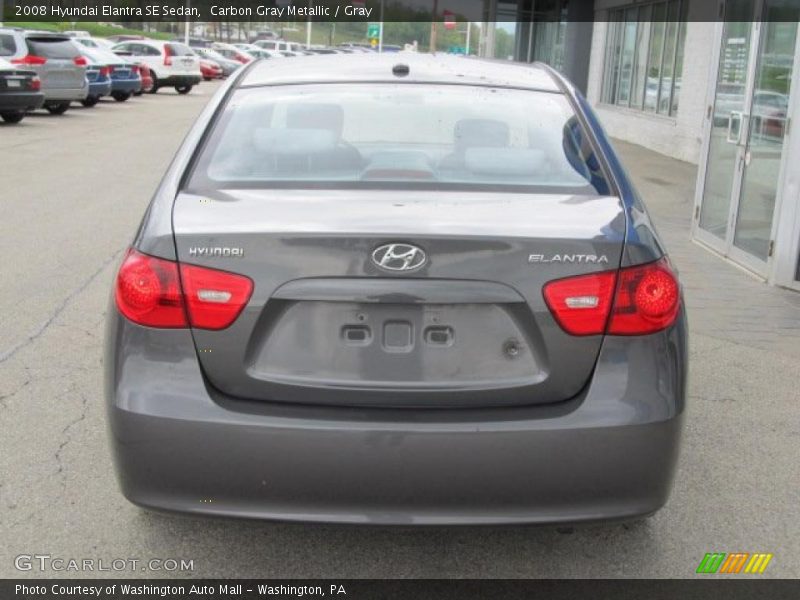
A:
[180,50]
[52,48]
[398,136]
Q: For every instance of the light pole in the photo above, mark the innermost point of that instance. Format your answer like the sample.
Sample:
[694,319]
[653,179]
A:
[186,30]
[433,26]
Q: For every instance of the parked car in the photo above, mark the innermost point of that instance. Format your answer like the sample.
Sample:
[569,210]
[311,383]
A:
[55,59]
[210,70]
[427,295]
[125,77]
[228,66]
[125,37]
[20,91]
[278,45]
[171,64]
[92,42]
[196,42]
[98,74]
[231,52]
[144,72]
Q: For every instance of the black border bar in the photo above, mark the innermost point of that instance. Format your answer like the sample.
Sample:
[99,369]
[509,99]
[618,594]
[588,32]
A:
[700,587]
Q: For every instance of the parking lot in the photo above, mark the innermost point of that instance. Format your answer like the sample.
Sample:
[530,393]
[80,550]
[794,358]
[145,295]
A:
[74,188]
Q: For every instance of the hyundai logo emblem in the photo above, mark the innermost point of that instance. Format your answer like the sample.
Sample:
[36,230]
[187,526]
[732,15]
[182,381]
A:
[399,257]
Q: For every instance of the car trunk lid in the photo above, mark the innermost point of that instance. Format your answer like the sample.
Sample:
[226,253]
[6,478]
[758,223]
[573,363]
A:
[326,324]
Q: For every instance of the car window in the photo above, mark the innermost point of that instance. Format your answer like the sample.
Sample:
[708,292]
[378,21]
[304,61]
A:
[7,45]
[180,50]
[52,48]
[435,136]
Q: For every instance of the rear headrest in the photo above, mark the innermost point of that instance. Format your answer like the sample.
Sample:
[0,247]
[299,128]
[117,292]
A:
[288,142]
[316,116]
[485,133]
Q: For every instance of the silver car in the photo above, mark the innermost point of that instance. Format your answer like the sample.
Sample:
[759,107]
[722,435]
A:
[54,58]
[407,290]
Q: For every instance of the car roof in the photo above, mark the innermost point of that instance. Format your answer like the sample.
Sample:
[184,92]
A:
[422,68]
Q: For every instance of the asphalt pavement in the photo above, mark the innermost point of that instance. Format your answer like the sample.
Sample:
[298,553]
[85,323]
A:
[72,192]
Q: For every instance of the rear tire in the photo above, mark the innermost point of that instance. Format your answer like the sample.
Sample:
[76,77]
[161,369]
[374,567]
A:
[153,89]
[10,117]
[120,96]
[139,93]
[57,109]
[183,89]
[90,101]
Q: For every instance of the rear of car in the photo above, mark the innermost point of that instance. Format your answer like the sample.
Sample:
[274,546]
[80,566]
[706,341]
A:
[227,65]
[231,52]
[20,92]
[98,75]
[397,293]
[210,69]
[57,62]
[171,64]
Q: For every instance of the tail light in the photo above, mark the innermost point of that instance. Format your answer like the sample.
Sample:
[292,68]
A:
[80,61]
[29,59]
[167,56]
[242,59]
[105,71]
[36,84]
[634,301]
[134,69]
[214,298]
[149,292]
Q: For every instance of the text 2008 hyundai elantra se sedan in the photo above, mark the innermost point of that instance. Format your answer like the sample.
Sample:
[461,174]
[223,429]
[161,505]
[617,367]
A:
[397,289]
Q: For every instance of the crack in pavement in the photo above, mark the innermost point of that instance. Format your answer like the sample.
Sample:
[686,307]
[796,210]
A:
[68,438]
[5,397]
[11,352]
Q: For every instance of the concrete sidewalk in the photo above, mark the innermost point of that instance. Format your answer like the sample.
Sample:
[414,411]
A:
[738,480]
[724,301]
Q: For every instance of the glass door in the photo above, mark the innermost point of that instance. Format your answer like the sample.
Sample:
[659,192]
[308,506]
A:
[725,151]
[763,153]
[747,131]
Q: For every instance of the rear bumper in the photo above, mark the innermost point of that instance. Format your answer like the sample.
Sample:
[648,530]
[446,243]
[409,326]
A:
[126,86]
[20,101]
[179,80]
[181,446]
[66,94]
[99,88]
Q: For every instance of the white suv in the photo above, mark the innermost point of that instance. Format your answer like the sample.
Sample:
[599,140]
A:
[279,45]
[172,64]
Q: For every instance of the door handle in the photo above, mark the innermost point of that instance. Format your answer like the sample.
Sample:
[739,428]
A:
[734,135]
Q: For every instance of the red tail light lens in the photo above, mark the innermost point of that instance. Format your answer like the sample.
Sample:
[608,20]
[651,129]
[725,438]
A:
[647,300]
[214,298]
[29,59]
[636,301]
[167,56]
[105,71]
[134,70]
[36,84]
[148,291]
[80,61]
[581,304]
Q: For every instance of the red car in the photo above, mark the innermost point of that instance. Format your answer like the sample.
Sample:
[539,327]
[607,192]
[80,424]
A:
[210,70]
[147,79]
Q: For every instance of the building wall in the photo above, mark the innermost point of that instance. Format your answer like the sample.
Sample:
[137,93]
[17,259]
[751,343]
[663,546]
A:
[680,136]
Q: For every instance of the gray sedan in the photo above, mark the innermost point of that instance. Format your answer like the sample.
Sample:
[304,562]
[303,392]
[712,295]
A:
[397,289]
